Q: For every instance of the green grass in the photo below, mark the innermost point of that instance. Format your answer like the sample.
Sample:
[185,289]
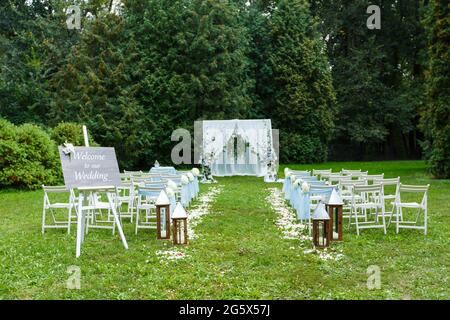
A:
[239,255]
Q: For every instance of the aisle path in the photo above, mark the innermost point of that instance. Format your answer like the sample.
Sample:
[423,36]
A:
[246,254]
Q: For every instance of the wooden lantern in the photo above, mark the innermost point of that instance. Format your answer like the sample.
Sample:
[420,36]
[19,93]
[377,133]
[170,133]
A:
[163,216]
[321,227]
[179,219]
[335,205]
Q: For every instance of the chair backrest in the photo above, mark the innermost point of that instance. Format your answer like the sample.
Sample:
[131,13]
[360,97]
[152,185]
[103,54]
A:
[55,189]
[302,173]
[317,183]
[133,173]
[320,172]
[304,178]
[150,193]
[350,172]
[345,184]
[159,185]
[368,193]
[335,179]
[389,182]
[416,189]
[373,177]
[323,191]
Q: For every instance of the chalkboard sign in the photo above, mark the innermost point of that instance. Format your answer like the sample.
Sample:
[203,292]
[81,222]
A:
[89,167]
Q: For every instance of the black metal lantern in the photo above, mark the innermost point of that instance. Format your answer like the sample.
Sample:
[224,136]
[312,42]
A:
[179,219]
[162,216]
[335,205]
[321,227]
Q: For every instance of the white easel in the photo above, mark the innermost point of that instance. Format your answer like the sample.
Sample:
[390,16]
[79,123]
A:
[83,205]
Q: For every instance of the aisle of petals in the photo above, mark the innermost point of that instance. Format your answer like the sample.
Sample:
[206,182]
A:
[195,215]
[291,229]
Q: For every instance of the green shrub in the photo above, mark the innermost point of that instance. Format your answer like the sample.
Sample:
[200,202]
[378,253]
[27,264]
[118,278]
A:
[297,148]
[70,132]
[28,157]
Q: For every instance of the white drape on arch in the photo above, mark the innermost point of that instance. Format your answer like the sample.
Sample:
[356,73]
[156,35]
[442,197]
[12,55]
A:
[238,147]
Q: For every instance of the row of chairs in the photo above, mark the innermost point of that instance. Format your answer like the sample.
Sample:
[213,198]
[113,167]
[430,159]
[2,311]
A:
[134,199]
[365,197]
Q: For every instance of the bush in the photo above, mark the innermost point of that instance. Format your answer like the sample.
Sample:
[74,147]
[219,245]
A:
[70,132]
[28,157]
[297,148]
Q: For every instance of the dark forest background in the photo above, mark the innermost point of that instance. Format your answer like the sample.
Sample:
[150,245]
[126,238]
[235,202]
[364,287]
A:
[334,88]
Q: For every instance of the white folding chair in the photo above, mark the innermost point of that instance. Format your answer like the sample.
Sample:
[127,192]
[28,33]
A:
[55,207]
[147,197]
[420,206]
[98,206]
[126,197]
[367,202]
[390,190]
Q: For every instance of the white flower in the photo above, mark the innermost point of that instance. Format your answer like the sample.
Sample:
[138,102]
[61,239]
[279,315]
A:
[184,180]
[286,170]
[190,176]
[195,172]
[305,187]
[288,174]
[297,182]
[172,185]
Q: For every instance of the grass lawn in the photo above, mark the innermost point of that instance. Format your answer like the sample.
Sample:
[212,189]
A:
[239,254]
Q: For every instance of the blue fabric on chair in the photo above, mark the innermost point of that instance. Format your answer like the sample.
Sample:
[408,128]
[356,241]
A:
[185,195]
[304,209]
[168,170]
[173,204]
[287,191]
[196,186]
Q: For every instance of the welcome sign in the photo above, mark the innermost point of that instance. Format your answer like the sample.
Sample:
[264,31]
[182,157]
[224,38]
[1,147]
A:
[89,167]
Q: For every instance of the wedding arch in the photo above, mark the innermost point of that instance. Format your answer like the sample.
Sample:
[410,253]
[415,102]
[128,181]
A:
[239,147]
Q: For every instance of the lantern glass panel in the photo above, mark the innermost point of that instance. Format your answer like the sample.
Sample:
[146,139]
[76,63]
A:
[162,222]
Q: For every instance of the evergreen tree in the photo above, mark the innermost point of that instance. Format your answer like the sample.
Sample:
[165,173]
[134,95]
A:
[301,97]
[436,117]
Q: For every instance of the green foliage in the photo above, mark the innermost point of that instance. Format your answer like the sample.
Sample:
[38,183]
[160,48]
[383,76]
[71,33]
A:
[301,101]
[436,116]
[377,74]
[69,132]
[28,158]
[302,148]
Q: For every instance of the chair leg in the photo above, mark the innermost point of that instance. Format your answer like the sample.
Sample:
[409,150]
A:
[425,217]
[69,220]
[397,219]
[137,220]
[43,219]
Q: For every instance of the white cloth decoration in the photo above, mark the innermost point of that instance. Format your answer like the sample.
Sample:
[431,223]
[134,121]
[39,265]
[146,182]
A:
[170,193]
[184,180]
[190,176]
[286,170]
[288,174]
[298,182]
[238,147]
